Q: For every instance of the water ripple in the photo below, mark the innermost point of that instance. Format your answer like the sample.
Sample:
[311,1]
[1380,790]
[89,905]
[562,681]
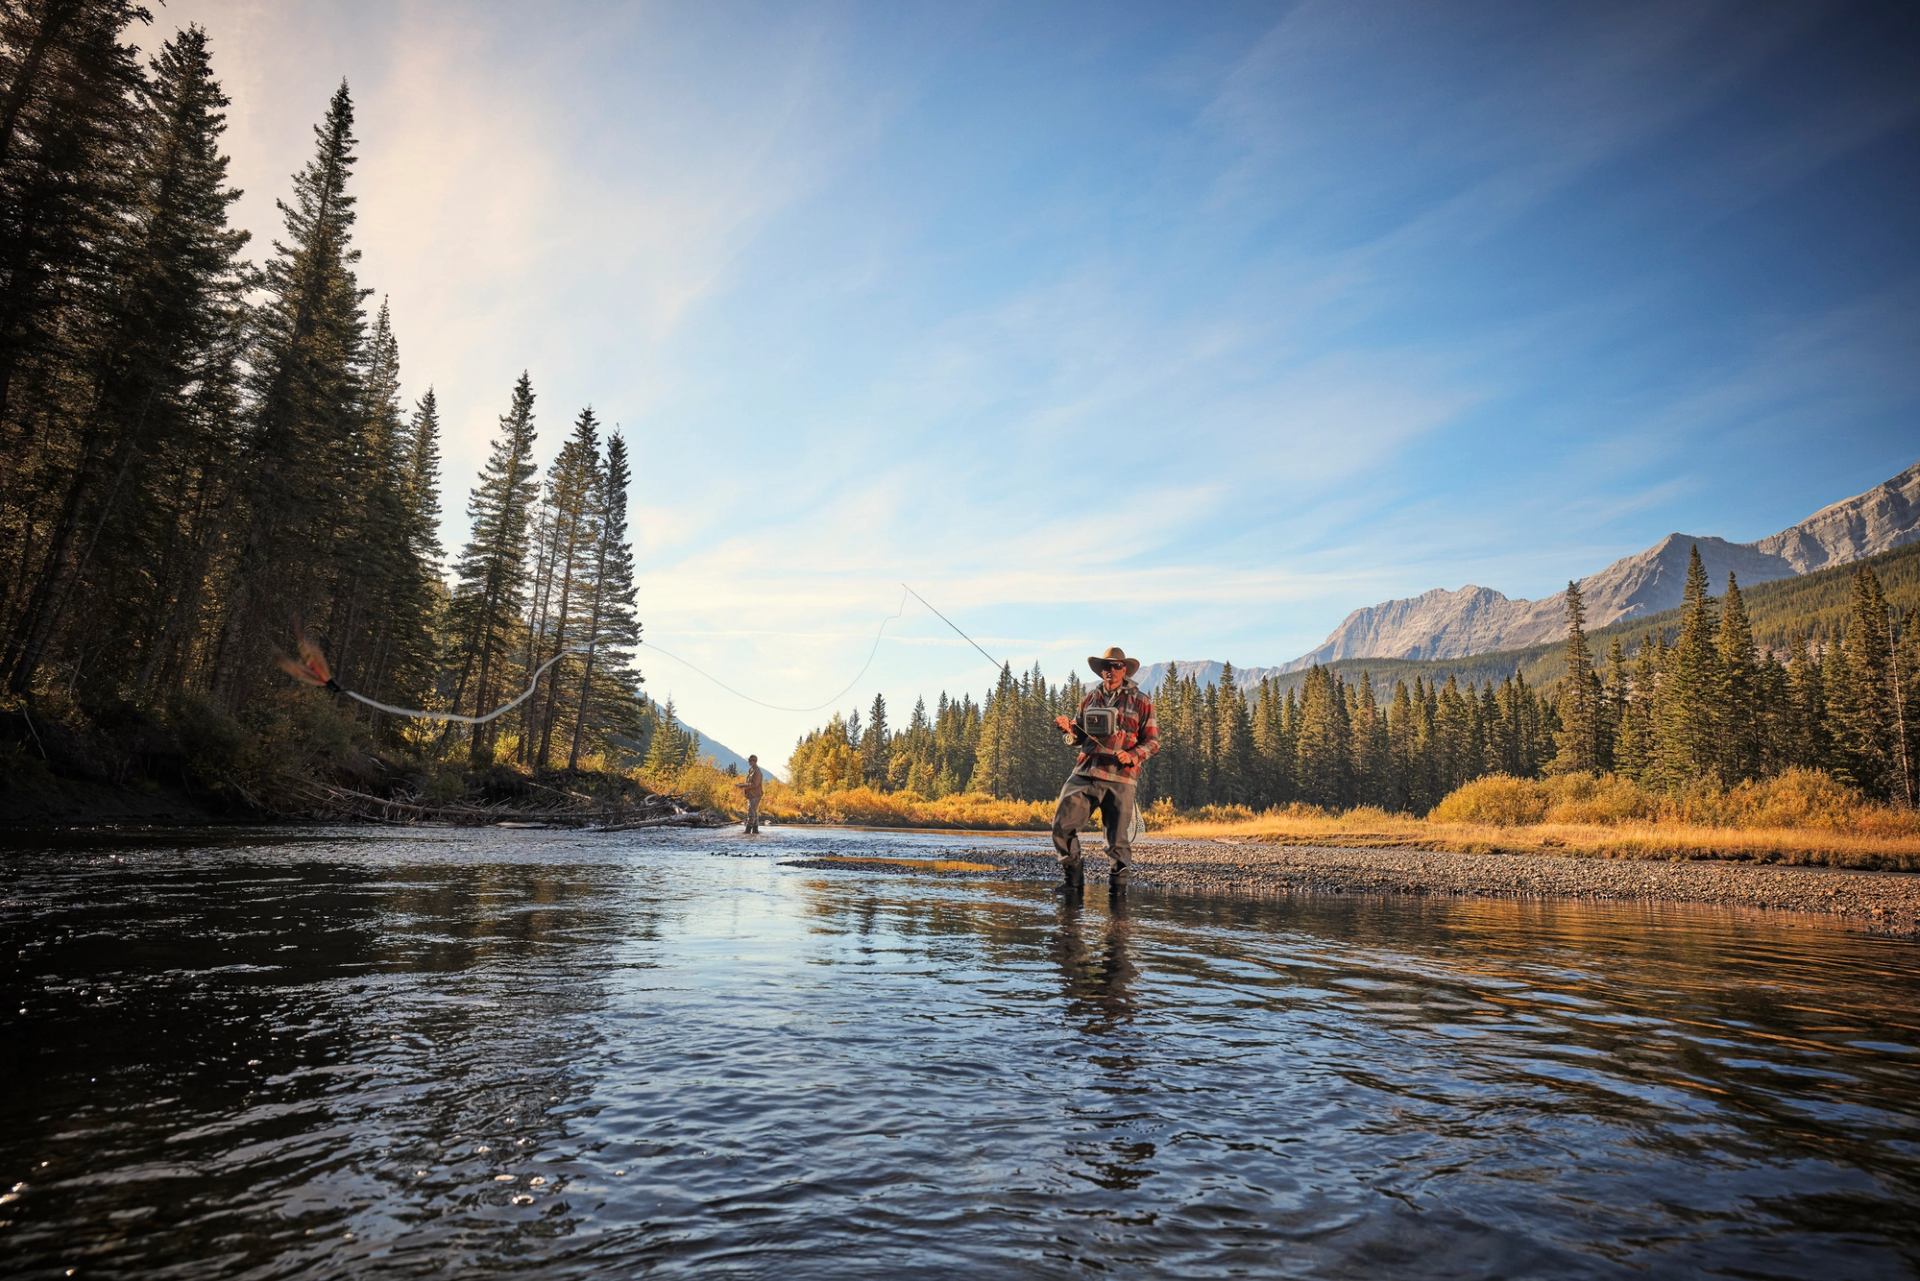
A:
[317,1054]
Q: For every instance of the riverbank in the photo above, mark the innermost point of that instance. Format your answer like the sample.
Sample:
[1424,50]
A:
[1875,902]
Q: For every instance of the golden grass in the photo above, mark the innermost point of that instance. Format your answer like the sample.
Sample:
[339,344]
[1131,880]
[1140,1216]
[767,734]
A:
[1802,817]
[858,806]
[1372,829]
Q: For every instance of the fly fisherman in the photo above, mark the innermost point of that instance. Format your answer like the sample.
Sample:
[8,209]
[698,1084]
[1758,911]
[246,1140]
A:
[754,785]
[1116,733]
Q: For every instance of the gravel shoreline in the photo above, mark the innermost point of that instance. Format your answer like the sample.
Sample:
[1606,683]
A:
[1876,902]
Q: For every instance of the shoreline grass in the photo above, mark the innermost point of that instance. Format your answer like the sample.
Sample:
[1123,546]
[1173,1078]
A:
[1653,840]
[1801,817]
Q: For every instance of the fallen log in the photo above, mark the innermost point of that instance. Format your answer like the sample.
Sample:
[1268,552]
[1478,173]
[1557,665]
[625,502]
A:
[654,810]
[688,818]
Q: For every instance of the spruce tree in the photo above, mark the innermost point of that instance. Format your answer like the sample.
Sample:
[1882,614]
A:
[1866,713]
[1687,730]
[608,682]
[1322,750]
[1618,697]
[156,338]
[299,537]
[1403,749]
[415,659]
[874,744]
[574,492]
[1580,748]
[68,146]
[1233,744]
[1368,746]
[490,594]
[1741,730]
[993,764]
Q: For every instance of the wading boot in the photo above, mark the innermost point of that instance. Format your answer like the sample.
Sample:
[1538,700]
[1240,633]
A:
[1073,881]
[1117,883]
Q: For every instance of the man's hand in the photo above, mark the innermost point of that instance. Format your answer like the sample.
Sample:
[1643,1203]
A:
[1065,723]
[1124,756]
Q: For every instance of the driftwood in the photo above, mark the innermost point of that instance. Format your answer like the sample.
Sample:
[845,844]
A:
[656,810]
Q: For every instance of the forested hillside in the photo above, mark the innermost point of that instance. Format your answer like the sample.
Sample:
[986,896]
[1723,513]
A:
[1812,608]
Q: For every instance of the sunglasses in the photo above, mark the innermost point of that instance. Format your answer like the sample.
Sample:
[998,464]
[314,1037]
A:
[1113,667]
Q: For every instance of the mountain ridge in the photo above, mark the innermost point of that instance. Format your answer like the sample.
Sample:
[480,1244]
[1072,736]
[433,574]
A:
[1447,623]
[1444,623]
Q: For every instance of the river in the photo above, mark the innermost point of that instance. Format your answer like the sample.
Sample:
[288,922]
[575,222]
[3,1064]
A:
[301,1053]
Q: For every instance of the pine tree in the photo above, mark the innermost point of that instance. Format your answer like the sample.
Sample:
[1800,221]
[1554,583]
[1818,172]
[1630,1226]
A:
[667,750]
[1617,698]
[1580,748]
[994,763]
[1742,733]
[574,492]
[1634,741]
[1688,726]
[874,745]
[612,628]
[420,593]
[1322,749]
[489,597]
[1368,743]
[1865,712]
[1233,746]
[68,142]
[383,608]
[149,357]
[299,541]
[1403,752]
[1269,778]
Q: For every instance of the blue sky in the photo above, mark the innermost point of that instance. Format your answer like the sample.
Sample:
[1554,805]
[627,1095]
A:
[1187,328]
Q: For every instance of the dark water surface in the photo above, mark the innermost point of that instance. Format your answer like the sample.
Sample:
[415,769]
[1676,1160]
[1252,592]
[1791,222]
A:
[319,1054]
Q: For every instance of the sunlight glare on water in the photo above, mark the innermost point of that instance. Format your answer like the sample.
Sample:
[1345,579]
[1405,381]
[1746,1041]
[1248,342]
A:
[475,1053]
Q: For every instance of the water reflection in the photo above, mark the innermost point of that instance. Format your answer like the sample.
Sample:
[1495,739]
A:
[1096,971]
[320,1058]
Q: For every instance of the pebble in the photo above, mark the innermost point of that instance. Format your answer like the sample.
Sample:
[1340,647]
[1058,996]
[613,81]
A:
[1885,903]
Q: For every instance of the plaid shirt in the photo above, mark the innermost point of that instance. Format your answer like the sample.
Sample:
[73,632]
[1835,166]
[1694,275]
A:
[1139,733]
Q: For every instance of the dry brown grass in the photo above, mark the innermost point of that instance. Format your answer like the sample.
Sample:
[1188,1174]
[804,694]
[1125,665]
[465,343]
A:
[859,806]
[1800,817]
[1656,839]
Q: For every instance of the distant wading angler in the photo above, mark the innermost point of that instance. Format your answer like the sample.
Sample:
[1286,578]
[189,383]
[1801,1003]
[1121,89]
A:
[1116,733]
[754,784]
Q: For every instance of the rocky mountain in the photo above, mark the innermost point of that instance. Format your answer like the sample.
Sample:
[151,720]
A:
[1474,620]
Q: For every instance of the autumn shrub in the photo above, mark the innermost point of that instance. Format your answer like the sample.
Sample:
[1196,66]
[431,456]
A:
[702,784]
[1500,800]
[1816,800]
[1603,799]
[1218,814]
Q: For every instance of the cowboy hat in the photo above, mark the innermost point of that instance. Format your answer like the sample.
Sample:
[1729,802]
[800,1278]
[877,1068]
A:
[1114,655]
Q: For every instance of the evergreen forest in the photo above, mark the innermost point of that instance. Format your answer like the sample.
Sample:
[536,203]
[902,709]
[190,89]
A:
[200,457]
[1695,699]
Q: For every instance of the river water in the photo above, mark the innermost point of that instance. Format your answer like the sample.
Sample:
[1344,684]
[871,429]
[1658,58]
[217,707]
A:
[332,1053]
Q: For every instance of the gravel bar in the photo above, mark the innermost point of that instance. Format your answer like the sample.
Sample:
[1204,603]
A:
[1876,902]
